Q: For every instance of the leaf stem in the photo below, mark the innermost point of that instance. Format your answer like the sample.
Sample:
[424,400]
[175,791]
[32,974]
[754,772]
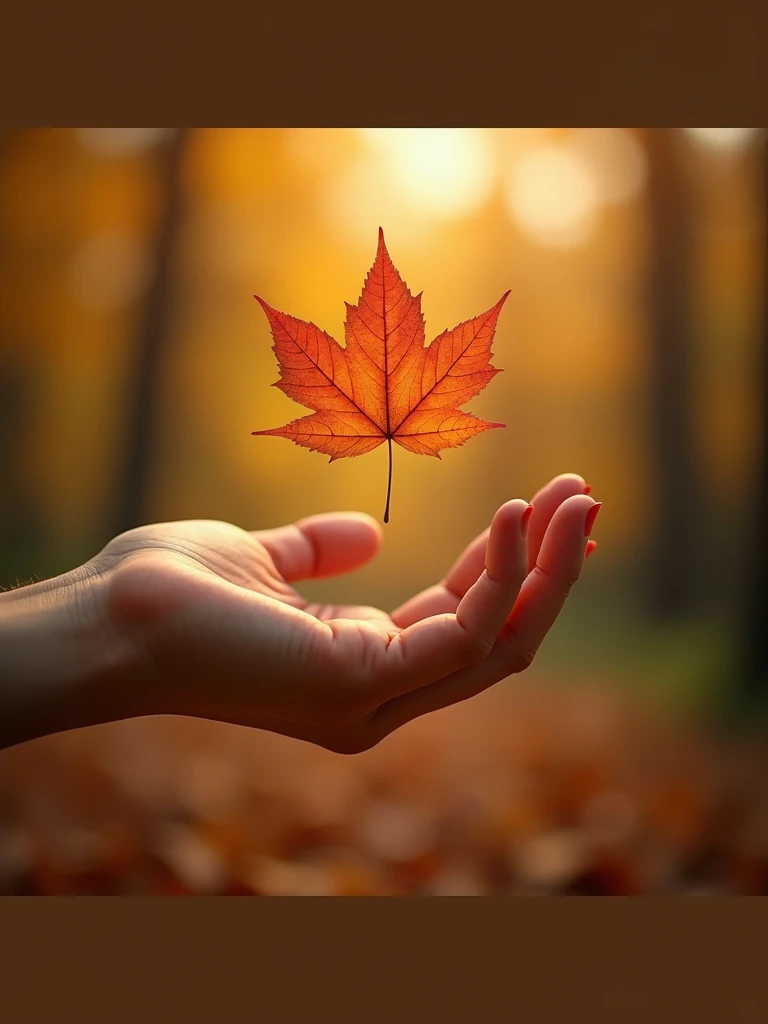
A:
[389,481]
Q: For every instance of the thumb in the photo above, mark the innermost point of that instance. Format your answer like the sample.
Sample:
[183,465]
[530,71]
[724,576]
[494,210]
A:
[322,545]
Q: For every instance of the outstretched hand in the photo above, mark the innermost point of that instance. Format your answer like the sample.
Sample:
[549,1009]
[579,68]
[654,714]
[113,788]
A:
[217,630]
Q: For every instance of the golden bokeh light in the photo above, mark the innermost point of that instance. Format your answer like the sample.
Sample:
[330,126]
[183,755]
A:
[409,179]
[360,197]
[723,141]
[616,159]
[119,142]
[553,194]
[445,172]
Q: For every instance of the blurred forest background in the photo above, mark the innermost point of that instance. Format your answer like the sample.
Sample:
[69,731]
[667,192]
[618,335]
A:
[134,364]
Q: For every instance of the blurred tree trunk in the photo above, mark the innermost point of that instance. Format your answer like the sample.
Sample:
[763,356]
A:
[143,408]
[753,672]
[673,534]
[21,531]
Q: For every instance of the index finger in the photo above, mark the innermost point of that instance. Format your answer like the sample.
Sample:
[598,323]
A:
[435,647]
[545,503]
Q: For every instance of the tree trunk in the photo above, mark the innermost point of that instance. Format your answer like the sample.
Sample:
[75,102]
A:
[22,540]
[673,537]
[753,674]
[143,409]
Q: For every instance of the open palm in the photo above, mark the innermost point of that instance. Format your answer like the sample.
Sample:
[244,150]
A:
[221,633]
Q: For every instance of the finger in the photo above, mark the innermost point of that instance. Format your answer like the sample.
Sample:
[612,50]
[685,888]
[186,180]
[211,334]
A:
[322,545]
[545,503]
[435,647]
[485,607]
[559,565]
[444,597]
[541,598]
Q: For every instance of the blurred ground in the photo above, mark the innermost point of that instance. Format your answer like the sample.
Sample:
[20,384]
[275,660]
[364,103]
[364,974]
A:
[530,789]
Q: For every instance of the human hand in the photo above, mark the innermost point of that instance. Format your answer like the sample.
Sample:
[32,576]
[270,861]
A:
[218,631]
[201,618]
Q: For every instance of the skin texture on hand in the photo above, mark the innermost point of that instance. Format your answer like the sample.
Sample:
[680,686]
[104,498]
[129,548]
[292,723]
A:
[201,618]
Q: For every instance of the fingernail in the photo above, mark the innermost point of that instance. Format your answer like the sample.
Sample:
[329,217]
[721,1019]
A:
[591,545]
[591,517]
[524,519]
[587,488]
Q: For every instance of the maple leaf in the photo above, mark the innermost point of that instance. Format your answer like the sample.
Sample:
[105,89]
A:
[384,385]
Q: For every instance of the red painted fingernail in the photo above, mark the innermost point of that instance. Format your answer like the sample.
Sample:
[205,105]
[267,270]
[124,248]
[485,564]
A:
[587,488]
[591,517]
[524,519]
[591,545]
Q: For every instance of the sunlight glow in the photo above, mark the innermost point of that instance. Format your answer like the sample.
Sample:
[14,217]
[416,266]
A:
[117,142]
[553,194]
[447,172]
[616,159]
[361,197]
[722,140]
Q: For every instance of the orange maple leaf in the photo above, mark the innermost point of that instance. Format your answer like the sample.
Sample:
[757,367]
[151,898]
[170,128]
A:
[384,385]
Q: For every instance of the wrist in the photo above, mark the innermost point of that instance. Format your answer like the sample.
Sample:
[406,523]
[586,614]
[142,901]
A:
[62,666]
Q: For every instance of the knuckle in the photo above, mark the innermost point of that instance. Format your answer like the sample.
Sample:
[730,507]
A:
[541,572]
[476,649]
[518,658]
[565,583]
[525,659]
